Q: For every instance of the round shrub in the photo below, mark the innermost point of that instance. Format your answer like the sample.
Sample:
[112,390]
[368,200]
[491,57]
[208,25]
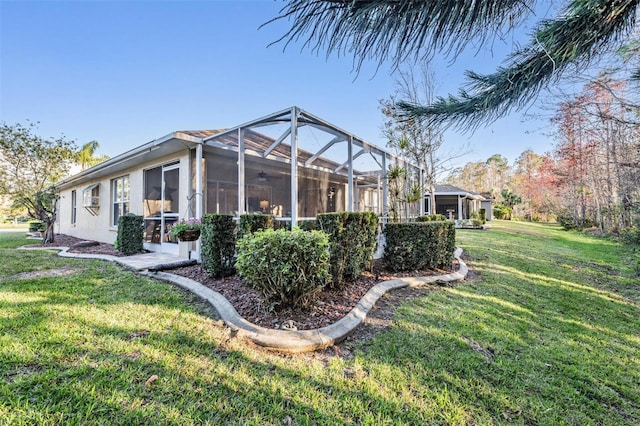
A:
[288,267]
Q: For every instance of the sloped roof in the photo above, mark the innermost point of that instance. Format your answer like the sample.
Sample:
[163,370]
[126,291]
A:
[447,189]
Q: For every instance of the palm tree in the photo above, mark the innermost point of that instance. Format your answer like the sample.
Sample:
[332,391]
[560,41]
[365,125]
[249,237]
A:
[398,30]
[86,155]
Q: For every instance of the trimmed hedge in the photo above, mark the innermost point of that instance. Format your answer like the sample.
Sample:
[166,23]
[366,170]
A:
[431,218]
[352,241]
[288,267]
[308,225]
[218,245]
[250,223]
[36,226]
[130,234]
[419,245]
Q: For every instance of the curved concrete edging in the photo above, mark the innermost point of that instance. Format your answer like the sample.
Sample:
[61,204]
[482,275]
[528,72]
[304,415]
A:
[306,340]
[63,252]
[287,340]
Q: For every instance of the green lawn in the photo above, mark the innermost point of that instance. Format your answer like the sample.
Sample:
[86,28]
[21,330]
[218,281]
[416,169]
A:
[547,332]
[18,227]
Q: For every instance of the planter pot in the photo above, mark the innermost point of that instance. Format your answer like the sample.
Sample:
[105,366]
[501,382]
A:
[189,235]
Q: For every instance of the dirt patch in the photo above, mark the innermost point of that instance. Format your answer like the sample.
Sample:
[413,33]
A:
[46,273]
[26,370]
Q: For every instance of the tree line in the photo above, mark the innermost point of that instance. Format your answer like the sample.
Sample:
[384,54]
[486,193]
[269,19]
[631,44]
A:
[592,176]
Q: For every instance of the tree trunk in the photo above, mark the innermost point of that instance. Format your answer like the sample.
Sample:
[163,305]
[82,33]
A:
[48,236]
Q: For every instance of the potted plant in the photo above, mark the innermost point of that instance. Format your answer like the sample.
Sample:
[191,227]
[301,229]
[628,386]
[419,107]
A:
[187,230]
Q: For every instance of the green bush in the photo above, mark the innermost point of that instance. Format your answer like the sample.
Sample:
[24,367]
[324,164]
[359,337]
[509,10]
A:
[502,212]
[430,218]
[288,267]
[250,223]
[130,234]
[282,224]
[476,222]
[36,226]
[308,225]
[482,215]
[631,236]
[569,222]
[218,245]
[352,241]
[419,245]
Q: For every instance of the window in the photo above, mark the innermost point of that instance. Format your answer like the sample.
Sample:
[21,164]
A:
[120,197]
[91,198]
[73,207]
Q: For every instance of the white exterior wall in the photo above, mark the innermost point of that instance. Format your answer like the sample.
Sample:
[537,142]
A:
[99,227]
[488,206]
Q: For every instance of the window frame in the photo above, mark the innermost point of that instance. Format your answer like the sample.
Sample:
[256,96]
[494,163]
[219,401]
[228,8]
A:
[74,207]
[120,201]
[91,199]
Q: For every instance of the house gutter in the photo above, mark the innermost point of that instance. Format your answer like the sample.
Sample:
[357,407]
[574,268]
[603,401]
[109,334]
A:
[127,156]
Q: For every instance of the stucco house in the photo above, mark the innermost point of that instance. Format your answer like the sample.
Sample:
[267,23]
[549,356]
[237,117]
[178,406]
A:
[290,164]
[457,203]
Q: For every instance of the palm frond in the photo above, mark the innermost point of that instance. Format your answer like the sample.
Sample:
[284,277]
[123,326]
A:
[397,30]
[583,31]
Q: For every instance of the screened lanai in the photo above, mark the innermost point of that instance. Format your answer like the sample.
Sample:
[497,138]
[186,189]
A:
[293,165]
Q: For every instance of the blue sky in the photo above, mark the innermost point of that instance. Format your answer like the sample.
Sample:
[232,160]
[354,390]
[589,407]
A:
[126,72]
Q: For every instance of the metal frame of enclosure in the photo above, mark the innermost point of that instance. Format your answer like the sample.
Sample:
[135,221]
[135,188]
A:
[356,169]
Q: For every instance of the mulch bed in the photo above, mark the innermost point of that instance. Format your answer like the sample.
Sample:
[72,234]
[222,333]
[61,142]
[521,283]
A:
[329,306]
[77,245]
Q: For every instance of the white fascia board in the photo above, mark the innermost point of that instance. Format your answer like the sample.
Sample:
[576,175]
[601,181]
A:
[126,156]
[461,194]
